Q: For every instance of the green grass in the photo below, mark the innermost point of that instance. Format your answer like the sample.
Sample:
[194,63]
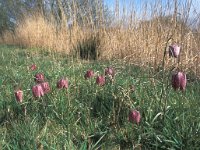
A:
[87,116]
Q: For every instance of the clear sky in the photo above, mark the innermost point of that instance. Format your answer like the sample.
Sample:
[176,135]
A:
[138,5]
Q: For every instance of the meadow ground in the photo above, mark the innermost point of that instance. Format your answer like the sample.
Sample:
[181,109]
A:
[88,116]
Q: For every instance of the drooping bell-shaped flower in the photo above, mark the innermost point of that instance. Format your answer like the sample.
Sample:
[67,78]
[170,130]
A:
[110,71]
[19,95]
[179,81]
[37,90]
[89,74]
[46,88]
[62,83]
[39,77]
[174,50]
[134,116]
[33,67]
[100,80]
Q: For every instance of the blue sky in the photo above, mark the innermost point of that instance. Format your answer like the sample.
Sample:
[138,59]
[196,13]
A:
[139,5]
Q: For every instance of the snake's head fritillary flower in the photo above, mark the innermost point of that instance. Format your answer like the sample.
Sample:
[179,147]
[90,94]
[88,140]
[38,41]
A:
[179,81]
[174,50]
[110,71]
[89,74]
[62,83]
[100,80]
[39,77]
[46,88]
[19,95]
[134,116]
[37,90]
[33,67]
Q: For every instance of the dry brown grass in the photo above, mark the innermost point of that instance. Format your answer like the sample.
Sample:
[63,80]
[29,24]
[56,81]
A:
[38,32]
[141,42]
[146,45]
